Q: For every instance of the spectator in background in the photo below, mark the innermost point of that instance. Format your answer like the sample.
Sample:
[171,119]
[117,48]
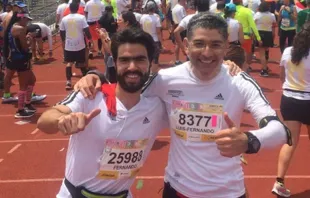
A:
[287,20]
[303,16]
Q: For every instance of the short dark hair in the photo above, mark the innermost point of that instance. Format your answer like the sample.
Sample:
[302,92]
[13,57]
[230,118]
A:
[133,36]
[207,21]
[202,5]
[220,5]
[74,7]
[263,7]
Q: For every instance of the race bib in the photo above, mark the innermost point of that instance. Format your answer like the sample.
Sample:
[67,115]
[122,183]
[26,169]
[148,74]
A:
[196,121]
[285,22]
[121,158]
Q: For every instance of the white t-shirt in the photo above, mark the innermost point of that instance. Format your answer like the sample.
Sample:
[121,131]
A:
[3,15]
[149,23]
[158,3]
[252,4]
[60,10]
[46,32]
[120,145]
[94,9]
[297,77]
[122,6]
[138,16]
[178,13]
[74,25]
[185,21]
[195,167]
[264,20]
[233,29]
[172,3]
[82,3]
[213,8]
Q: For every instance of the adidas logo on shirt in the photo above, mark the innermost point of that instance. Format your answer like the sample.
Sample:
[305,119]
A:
[145,121]
[219,97]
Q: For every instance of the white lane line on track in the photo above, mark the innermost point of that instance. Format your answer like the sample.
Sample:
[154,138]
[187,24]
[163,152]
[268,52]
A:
[14,148]
[34,131]
[1,160]
[66,139]
[151,178]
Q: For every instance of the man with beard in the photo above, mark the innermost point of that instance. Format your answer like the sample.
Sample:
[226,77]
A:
[116,130]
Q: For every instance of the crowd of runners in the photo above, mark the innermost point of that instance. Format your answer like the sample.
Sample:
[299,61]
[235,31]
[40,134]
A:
[113,118]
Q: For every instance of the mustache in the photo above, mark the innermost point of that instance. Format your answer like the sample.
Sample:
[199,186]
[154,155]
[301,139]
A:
[133,72]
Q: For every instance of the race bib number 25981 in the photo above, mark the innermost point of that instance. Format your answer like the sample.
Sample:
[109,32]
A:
[195,121]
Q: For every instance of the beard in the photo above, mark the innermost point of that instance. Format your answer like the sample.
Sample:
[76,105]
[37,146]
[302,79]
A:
[129,86]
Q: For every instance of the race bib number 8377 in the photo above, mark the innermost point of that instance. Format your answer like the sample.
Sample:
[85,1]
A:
[195,121]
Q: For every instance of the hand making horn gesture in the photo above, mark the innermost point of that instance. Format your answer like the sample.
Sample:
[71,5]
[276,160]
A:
[231,141]
[76,122]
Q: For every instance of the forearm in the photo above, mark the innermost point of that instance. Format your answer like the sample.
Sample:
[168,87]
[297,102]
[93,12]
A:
[274,134]
[48,122]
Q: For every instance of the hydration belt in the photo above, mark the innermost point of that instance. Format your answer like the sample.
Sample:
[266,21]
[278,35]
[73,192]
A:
[81,192]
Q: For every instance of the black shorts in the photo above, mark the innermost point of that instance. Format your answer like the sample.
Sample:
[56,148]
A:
[267,38]
[75,56]
[295,110]
[33,28]
[19,65]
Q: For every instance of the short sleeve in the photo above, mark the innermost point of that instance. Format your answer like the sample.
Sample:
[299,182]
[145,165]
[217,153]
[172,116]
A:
[285,57]
[75,101]
[84,23]
[273,18]
[158,23]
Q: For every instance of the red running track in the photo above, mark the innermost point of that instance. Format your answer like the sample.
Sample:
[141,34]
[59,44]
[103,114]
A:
[32,163]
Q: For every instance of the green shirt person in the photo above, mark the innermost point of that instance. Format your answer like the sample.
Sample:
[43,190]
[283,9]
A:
[303,16]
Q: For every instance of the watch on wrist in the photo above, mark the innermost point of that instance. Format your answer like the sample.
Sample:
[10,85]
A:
[253,143]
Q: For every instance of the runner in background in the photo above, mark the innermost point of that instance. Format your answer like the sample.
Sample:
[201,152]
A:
[60,14]
[266,24]
[235,52]
[93,11]
[295,101]
[72,30]
[42,33]
[287,20]
[18,7]
[245,17]
[60,11]
[178,13]
[151,24]
[19,60]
